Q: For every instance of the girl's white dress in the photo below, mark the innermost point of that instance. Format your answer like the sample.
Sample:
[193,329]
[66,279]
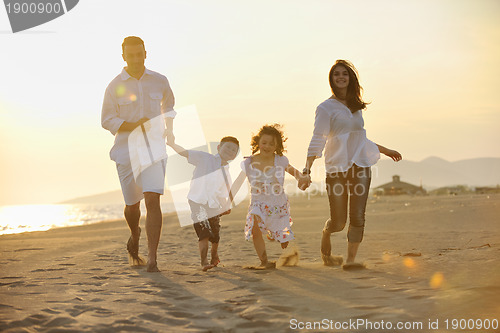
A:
[268,201]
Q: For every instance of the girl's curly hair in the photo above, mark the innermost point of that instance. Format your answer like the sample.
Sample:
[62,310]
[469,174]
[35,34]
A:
[273,130]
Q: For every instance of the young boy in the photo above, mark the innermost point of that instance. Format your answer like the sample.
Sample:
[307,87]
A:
[208,193]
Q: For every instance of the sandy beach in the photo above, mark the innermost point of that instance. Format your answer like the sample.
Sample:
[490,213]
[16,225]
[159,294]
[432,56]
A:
[430,260]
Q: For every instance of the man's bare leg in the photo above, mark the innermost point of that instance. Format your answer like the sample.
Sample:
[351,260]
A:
[154,221]
[132,216]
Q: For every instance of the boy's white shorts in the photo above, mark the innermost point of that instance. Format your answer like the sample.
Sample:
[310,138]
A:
[152,179]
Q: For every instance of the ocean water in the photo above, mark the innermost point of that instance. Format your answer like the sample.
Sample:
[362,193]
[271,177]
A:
[28,218]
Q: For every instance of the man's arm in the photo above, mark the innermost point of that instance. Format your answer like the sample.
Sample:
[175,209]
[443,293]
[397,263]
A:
[109,113]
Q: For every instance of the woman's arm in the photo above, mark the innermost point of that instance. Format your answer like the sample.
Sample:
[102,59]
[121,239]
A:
[396,156]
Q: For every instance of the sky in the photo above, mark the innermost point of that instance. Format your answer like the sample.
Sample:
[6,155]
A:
[430,70]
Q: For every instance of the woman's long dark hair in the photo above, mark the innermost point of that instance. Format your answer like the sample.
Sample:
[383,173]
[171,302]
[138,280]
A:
[353,96]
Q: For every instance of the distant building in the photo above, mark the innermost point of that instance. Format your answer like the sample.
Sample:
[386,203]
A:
[397,187]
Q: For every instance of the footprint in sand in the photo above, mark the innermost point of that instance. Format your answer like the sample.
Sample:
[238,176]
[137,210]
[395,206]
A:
[30,249]
[158,303]
[60,321]
[367,307]
[396,290]
[48,270]
[282,308]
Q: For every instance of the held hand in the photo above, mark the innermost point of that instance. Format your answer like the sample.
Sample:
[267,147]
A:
[304,181]
[396,156]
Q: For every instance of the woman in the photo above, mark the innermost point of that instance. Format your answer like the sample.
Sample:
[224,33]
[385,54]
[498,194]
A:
[338,129]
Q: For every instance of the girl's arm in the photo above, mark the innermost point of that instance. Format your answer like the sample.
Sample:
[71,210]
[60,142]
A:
[294,172]
[396,156]
[303,180]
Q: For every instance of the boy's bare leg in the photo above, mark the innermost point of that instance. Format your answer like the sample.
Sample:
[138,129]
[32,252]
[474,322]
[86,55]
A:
[203,245]
[154,221]
[214,255]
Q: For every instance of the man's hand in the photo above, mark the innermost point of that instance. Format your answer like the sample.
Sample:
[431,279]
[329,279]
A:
[170,137]
[145,122]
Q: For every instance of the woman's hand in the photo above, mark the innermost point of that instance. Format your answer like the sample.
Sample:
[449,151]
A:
[396,156]
[304,181]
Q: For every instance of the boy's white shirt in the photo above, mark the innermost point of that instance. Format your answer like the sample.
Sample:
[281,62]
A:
[208,185]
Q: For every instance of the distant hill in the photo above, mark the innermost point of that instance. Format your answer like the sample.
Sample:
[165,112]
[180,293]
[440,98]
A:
[436,172]
[112,197]
[433,172]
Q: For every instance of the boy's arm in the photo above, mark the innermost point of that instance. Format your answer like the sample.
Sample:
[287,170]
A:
[178,149]
[234,189]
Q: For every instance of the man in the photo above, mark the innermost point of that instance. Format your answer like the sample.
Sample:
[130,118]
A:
[135,104]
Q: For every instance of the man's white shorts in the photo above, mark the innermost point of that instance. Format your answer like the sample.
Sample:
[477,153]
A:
[151,179]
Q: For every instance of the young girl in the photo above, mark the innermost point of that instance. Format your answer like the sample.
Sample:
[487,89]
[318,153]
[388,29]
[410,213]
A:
[269,210]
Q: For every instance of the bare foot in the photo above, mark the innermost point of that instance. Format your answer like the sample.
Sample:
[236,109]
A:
[263,266]
[134,258]
[207,267]
[353,266]
[268,264]
[153,268]
[329,260]
[215,261]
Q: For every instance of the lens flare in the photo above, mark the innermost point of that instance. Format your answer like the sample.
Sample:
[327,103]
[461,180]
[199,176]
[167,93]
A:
[437,280]
[120,90]
[133,98]
[408,262]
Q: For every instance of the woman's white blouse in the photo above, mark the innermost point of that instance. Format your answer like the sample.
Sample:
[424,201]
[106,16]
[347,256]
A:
[340,132]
